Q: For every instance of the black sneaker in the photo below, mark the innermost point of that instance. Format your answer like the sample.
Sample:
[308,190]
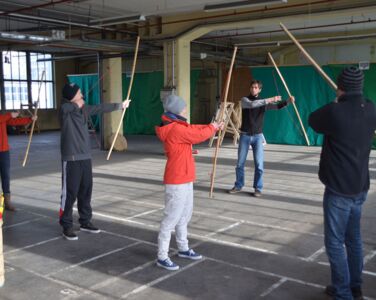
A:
[355,291]
[234,190]
[257,193]
[69,234]
[90,228]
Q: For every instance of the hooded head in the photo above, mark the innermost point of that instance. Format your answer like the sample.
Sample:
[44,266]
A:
[351,79]
[174,104]
[70,90]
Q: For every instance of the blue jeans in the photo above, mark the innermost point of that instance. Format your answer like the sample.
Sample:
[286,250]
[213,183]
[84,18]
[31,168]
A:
[342,229]
[5,171]
[258,156]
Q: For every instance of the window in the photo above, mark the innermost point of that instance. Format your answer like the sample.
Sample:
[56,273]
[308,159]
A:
[22,72]
[45,84]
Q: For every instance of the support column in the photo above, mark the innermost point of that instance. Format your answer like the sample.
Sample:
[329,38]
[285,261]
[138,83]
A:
[177,68]
[112,92]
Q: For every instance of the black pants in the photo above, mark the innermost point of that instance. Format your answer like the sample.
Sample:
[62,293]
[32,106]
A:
[5,171]
[77,182]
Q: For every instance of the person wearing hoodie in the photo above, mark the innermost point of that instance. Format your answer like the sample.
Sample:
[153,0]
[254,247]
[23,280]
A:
[8,119]
[178,136]
[251,136]
[77,178]
[348,126]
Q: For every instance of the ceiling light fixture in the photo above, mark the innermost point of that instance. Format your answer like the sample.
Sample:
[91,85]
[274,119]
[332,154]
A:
[241,4]
[117,20]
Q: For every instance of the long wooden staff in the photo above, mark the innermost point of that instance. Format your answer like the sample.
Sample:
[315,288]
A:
[309,58]
[288,92]
[221,117]
[128,95]
[35,115]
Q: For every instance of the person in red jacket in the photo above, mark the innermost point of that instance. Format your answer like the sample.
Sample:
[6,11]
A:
[8,119]
[178,136]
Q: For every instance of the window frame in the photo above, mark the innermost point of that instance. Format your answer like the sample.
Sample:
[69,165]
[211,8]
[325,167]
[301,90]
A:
[29,83]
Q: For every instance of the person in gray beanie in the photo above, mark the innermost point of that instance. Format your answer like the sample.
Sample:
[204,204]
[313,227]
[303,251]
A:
[348,126]
[178,136]
[77,178]
[174,104]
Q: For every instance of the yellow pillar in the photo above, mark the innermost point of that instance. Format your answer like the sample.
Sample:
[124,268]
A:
[177,67]
[112,92]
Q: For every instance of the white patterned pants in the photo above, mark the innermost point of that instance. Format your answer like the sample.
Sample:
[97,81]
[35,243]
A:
[176,215]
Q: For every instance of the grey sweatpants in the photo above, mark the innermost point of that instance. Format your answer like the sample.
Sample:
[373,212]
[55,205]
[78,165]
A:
[176,215]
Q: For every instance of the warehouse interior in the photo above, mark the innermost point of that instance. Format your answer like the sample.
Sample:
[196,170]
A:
[269,248]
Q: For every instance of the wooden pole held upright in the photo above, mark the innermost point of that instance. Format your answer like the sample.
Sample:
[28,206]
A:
[288,91]
[128,95]
[35,115]
[221,115]
[309,58]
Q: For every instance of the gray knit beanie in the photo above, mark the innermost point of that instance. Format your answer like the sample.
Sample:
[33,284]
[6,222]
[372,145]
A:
[351,80]
[174,104]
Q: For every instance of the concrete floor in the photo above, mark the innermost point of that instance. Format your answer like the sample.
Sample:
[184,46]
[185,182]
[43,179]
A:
[254,248]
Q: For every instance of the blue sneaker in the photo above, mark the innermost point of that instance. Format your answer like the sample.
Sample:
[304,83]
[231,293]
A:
[190,254]
[167,264]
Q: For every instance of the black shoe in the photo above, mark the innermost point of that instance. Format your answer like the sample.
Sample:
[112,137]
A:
[355,291]
[257,193]
[90,228]
[234,190]
[69,234]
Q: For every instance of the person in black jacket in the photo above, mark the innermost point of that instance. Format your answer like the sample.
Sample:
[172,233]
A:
[253,110]
[77,178]
[348,125]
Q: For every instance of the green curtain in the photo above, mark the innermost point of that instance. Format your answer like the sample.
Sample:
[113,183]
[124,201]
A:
[311,91]
[145,110]
[89,86]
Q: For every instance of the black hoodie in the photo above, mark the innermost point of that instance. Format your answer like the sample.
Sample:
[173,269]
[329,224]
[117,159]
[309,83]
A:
[253,111]
[74,139]
[348,127]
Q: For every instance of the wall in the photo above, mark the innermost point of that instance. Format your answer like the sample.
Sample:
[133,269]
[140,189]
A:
[331,54]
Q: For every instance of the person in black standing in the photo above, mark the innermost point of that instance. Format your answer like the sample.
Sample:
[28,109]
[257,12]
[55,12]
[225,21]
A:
[348,125]
[253,111]
[77,178]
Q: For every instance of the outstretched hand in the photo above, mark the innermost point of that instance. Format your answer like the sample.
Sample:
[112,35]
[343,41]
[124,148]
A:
[126,103]
[218,125]
[274,99]
[292,99]
[15,114]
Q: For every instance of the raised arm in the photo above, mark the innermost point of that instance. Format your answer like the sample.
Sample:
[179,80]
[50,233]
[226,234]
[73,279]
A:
[102,108]
[246,103]
[320,120]
[280,105]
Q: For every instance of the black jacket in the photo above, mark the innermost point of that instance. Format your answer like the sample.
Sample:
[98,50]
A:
[253,110]
[348,127]
[74,139]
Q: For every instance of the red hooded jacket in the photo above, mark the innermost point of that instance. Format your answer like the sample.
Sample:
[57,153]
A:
[177,137]
[6,120]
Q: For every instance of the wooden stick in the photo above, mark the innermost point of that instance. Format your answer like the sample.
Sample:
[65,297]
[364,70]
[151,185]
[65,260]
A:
[33,124]
[288,91]
[128,95]
[309,58]
[220,120]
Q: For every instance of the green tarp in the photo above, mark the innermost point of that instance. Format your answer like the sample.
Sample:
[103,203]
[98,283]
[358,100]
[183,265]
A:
[311,91]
